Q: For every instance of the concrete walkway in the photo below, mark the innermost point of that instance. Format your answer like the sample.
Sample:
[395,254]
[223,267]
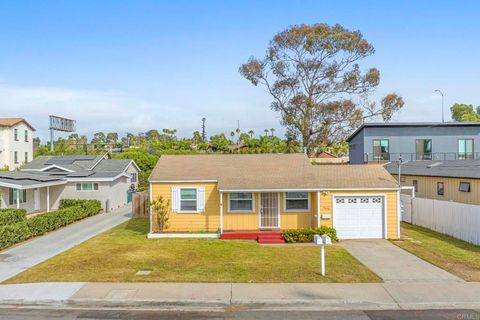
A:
[245,296]
[394,264]
[30,253]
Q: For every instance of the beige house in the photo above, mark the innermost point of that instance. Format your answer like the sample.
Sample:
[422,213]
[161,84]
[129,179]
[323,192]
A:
[454,180]
[16,142]
[255,192]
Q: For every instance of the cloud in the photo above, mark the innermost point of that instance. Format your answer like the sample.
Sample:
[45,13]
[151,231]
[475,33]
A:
[120,112]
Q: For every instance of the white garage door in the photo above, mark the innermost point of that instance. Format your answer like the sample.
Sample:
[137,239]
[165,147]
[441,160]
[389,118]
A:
[358,217]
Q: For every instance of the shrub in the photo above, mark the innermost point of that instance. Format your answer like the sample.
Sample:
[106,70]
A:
[306,235]
[71,211]
[11,216]
[14,233]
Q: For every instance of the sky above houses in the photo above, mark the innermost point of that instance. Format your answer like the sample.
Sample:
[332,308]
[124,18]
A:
[130,66]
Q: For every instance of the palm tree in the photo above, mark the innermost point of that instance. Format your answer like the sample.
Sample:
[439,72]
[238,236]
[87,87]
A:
[251,133]
[272,130]
[266,132]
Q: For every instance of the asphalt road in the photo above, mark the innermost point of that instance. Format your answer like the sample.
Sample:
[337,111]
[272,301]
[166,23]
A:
[43,314]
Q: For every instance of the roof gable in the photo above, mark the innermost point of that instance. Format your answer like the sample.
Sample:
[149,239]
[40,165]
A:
[10,122]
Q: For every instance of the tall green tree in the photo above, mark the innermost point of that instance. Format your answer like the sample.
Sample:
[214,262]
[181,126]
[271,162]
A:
[313,74]
[465,113]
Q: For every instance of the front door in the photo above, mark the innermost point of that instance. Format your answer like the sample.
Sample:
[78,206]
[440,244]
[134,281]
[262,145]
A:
[269,211]
[36,199]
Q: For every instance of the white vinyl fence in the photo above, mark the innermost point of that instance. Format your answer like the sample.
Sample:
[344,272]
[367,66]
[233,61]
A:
[458,220]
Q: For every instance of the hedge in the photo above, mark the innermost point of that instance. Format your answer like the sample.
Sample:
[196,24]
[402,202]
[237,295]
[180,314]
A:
[11,216]
[306,235]
[43,223]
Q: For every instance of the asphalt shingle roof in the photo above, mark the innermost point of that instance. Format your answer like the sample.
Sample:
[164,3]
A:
[269,171]
[452,168]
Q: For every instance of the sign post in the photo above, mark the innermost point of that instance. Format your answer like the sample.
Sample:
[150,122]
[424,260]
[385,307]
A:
[322,241]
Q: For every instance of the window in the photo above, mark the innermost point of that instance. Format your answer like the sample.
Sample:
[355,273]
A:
[26,135]
[381,149]
[134,177]
[26,157]
[188,199]
[15,157]
[403,179]
[87,186]
[423,149]
[415,185]
[440,189]
[240,202]
[13,196]
[15,134]
[297,201]
[464,187]
[465,149]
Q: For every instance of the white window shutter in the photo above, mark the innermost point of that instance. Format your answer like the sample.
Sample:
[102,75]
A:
[175,203]
[201,199]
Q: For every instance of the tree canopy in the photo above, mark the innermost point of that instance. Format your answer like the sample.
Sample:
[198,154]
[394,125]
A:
[313,74]
[465,113]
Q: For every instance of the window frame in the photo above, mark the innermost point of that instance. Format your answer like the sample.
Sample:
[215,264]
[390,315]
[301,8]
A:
[180,200]
[387,154]
[15,157]
[230,210]
[440,190]
[466,183]
[15,134]
[26,156]
[464,153]
[415,185]
[26,135]
[84,190]
[133,178]
[11,196]
[423,149]
[309,208]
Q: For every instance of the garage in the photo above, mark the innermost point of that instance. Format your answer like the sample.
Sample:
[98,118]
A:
[358,217]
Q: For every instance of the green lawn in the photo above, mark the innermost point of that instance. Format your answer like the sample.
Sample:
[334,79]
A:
[116,255]
[456,256]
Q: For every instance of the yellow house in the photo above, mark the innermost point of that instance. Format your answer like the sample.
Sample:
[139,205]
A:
[257,192]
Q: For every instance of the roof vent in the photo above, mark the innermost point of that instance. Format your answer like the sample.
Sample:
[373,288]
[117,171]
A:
[436,164]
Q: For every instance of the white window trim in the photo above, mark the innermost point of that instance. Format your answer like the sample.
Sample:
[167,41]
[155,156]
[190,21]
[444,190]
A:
[81,186]
[242,211]
[296,210]
[180,200]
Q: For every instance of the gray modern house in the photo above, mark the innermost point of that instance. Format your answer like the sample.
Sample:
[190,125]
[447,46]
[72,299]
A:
[383,142]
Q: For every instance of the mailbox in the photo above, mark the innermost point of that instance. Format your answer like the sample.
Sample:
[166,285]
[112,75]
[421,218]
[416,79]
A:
[326,240]
[317,240]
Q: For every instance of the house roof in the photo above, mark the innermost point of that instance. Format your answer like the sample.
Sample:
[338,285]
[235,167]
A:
[411,124]
[10,122]
[24,180]
[268,172]
[74,167]
[452,168]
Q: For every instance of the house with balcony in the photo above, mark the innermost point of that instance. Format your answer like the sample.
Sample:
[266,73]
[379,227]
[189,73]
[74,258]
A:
[384,142]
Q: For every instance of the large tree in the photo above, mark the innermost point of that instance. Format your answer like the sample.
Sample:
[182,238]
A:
[465,113]
[313,75]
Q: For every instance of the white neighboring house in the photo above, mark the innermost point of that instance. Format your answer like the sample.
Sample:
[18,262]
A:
[43,182]
[16,142]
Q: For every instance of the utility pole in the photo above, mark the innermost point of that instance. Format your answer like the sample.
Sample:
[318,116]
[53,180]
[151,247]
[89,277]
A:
[443,103]
[204,135]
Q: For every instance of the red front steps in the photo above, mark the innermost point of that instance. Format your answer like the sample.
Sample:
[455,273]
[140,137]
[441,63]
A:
[263,237]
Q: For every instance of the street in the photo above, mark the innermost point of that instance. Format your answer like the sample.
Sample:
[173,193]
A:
[26,314]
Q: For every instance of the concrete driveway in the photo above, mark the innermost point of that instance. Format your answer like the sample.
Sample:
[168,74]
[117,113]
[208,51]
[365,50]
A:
[394,264]
[26,255]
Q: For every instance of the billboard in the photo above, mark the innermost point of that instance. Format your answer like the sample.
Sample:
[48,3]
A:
[62,124]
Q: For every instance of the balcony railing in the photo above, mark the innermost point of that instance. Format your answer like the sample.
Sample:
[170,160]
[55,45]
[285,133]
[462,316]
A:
[438,156]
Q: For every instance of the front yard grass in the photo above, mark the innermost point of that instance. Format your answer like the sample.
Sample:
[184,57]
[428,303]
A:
[117,255]
[456,256]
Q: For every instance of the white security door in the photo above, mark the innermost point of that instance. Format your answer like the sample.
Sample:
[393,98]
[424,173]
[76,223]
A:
[358,217]
[269,210]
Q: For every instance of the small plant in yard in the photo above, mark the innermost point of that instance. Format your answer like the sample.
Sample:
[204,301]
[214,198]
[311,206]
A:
[160,208]
[306,235]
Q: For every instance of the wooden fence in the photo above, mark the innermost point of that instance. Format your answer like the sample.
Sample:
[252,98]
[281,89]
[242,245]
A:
[141,204]
[458,220]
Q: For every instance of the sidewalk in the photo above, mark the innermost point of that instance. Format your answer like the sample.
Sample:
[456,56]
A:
[26,255]
[221,296]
